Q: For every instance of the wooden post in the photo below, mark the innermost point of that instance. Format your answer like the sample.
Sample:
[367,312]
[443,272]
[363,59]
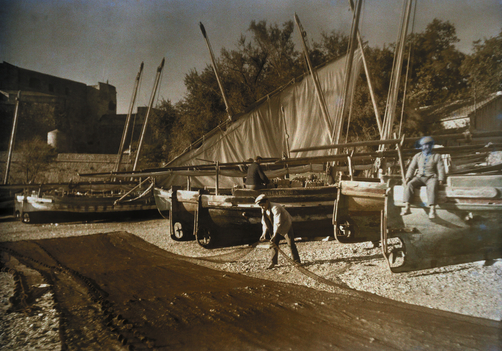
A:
[349,165]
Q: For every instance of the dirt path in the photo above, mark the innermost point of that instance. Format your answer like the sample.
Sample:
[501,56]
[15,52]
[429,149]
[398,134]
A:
[117,291]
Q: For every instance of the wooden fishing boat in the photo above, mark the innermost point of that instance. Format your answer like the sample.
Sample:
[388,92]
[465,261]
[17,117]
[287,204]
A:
[180,208]
[228,216]
[234,218]
[467,226]
[85,201]
[287,118]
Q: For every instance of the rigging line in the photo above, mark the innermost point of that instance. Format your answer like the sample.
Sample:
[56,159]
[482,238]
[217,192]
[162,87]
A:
[351,106]
[142,195]
[410,52]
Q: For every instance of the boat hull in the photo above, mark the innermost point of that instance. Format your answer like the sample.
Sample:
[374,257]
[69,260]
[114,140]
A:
[242,225]
[180,206]
[225,220]
[467,227]
[52,208]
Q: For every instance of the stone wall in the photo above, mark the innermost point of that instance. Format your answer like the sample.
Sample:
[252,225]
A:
[77,107]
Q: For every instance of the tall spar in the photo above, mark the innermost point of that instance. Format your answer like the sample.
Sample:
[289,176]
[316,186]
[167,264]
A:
[337,130]
[12,139]
[229,110]
[315,79]
[145,124]
[128,120]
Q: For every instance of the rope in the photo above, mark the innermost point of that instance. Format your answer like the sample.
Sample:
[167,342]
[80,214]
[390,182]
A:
[230,256]
[306,272]
[241,253]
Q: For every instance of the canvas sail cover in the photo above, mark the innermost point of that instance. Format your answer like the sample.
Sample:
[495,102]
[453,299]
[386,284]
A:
[289,119]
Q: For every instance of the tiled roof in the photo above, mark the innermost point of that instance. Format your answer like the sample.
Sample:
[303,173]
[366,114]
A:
[458,109]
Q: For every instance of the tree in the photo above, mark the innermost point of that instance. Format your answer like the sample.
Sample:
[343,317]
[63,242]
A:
[436,75]
[333,45]
[255,68]
[151,156]
[36,157]
[483,68]
[35,119]
[155,148]
[260,65]
[363,124]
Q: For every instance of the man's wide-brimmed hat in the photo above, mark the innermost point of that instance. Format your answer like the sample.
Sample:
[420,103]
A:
[260,198]
[426,140]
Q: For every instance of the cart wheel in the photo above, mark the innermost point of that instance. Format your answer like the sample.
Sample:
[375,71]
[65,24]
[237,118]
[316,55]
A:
[345,231]
[205,238]
[26,217]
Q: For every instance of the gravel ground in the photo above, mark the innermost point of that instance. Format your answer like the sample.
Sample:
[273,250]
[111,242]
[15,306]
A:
[473,289]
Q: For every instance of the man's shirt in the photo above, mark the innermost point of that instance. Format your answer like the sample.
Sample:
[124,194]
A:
[427,165]
[279,217]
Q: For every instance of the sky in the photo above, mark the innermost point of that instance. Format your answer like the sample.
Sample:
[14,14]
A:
[93,41]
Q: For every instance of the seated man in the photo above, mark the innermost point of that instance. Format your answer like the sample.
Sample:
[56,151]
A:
[256,178]
[430,173]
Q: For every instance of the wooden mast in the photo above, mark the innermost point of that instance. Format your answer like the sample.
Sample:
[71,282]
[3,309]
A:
[315,79]
[396,75]
[128,120]
[145,123]
[12,138]
[229,111]
[368,77]
[348,72]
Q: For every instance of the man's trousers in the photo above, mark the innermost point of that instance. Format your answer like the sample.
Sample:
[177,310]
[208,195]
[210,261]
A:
[290,239]
[431,183]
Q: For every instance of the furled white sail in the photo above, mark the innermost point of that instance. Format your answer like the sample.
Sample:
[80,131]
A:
[291,118]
